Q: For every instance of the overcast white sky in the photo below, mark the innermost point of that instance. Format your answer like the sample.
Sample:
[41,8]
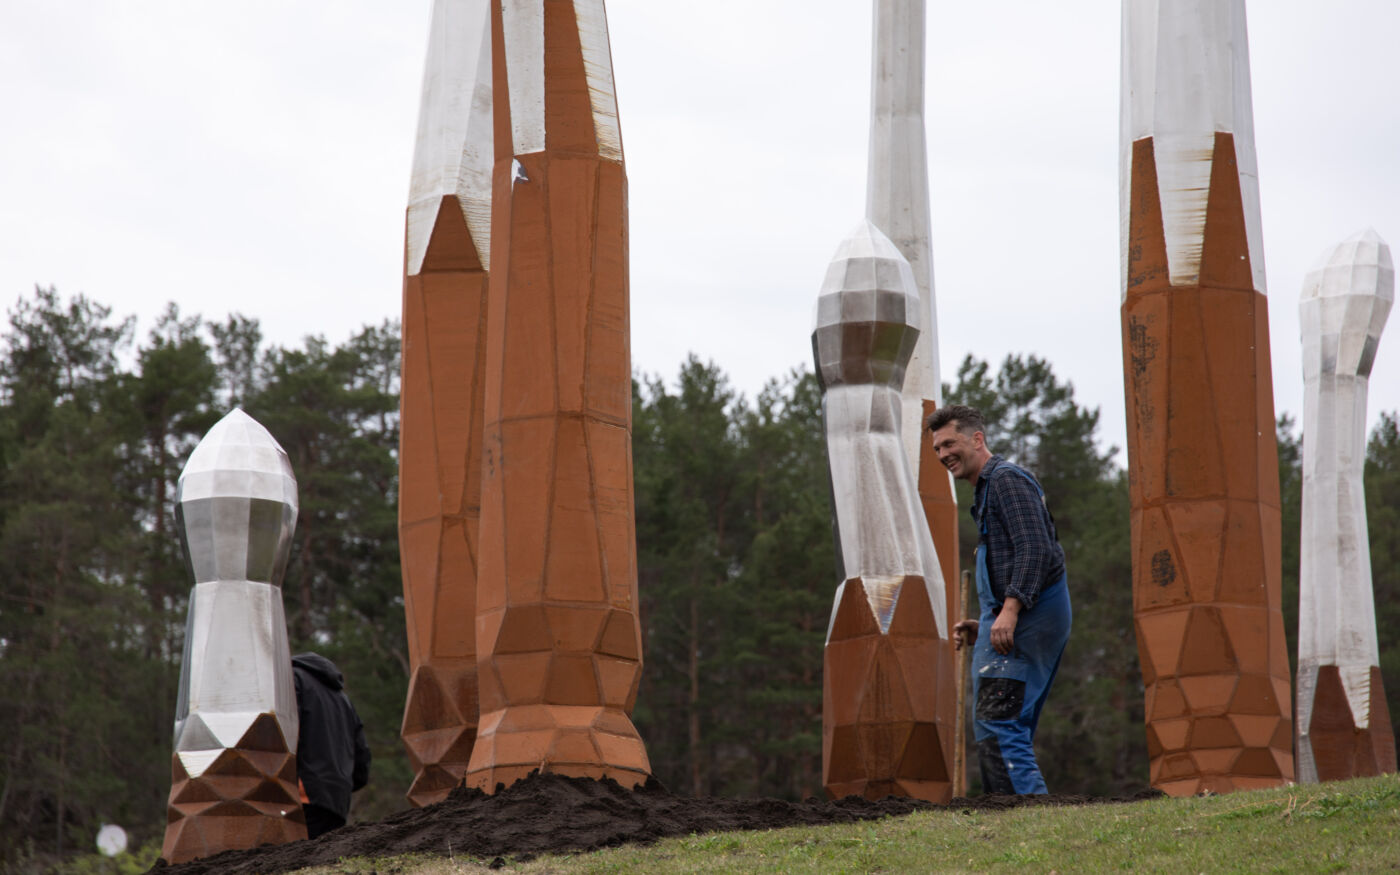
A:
[254,157]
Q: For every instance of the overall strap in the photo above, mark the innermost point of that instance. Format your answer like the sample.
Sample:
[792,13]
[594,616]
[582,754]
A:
[1040,490]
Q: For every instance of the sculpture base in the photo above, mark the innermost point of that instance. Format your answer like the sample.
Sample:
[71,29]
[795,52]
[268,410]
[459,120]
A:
[1335,748]
[573,740]
[439,728]
[242,799]
[881,728]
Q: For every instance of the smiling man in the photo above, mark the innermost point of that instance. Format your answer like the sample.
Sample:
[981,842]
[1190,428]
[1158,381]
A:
[1024,596]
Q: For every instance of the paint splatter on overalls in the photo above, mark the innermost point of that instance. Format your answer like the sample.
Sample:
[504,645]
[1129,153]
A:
[1010,690]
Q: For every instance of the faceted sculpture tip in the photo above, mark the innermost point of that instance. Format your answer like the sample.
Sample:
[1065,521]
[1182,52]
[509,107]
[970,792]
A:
[1344,305]
[1186,84]
[867,314]
[236,503]
[534,81]
[454,151]
[1360,264]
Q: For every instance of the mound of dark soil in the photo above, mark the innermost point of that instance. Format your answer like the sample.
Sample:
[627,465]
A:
[553,814]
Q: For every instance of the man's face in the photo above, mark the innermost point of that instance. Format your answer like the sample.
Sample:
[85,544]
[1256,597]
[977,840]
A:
[957,451]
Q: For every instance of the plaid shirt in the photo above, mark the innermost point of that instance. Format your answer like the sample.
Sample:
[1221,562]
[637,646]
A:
[1023,550]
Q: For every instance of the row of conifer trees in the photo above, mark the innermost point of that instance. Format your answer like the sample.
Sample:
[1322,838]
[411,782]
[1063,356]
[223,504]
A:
[733,532]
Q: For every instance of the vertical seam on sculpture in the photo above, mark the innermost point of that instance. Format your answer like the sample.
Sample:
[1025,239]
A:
[587,414]
[423,652]
[477,423]
[425,332]
[551,304]
[500,103]
[1164,505]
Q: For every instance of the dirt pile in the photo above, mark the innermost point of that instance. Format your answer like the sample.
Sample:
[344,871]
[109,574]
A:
[553,814]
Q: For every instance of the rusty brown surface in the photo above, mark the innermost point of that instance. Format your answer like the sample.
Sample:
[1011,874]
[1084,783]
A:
[440,444]
[941,509]
[1203,474]
[247,797]
[1340,749]
[884,730]
[558,639]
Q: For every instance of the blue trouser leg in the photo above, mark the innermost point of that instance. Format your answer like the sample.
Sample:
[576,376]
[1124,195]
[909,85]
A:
[1010,690]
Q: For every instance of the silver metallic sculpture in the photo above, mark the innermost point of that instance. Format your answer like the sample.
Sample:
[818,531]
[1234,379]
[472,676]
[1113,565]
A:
[234,782]
[896,192]
[1344,728]
[867,327]
[882,733]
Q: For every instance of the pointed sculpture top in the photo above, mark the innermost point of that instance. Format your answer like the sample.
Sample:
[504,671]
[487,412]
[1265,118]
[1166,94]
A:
[236,504]
[1359,265]
[1185,69]
[867,314]
[538,101]
[455,149]
[238,458]
[1344,306]
[1185,79]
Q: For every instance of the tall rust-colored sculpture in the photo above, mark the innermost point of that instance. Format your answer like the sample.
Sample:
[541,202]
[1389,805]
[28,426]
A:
[1203,462]
[558,641]
[1344,728]
[897,202]
[883,681]
[446,258]
[234,773]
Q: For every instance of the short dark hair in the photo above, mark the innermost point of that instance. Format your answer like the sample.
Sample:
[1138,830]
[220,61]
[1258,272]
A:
[967,419]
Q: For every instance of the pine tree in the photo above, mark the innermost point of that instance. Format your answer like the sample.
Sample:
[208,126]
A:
[72,626]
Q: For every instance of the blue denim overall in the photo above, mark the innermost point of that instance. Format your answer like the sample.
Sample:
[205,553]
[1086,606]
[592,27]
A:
[1009,690]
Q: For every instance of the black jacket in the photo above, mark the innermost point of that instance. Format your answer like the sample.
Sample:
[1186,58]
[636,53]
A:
[332,754]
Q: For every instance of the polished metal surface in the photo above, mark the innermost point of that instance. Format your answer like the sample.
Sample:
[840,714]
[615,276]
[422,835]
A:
[896,189]
[236,505]
[867,321]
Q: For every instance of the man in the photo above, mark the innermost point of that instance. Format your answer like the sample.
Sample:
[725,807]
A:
[332,754]
[1024,595]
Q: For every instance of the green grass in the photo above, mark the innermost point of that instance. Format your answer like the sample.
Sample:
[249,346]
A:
[1343,827]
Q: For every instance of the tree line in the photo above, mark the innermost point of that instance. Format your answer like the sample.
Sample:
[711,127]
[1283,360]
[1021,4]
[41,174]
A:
[734,543]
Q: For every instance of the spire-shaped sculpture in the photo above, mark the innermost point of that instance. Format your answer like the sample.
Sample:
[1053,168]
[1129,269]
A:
[897,202]
[896,193]
[1203,461]
[1344,728]
[234,774]
[883,680]
[446,255]
[558,639]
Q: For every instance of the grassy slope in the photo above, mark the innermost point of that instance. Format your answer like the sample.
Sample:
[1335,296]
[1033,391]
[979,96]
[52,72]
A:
[1352,827]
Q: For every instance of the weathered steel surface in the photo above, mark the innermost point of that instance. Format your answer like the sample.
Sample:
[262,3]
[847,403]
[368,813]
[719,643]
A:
[446,256]
[558,639]
[1203,462]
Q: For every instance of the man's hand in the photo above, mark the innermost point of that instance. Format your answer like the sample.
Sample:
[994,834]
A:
[965,633]
[1004,629]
